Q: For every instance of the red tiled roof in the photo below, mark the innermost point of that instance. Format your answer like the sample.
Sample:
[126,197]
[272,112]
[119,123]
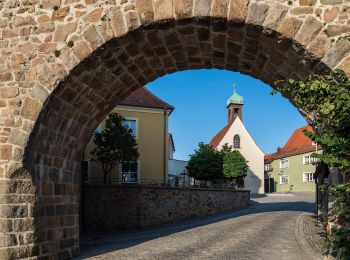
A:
[214,142]
[142,97]
[298,143]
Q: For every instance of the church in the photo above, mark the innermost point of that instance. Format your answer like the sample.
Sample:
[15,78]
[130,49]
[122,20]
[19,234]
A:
[237,135]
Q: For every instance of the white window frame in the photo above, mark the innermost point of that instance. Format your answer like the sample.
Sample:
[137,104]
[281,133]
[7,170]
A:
[239,141]
[284,167]
[311,159]
[137,125]
[138,173]
[307,179]
[281,178]
[267,167]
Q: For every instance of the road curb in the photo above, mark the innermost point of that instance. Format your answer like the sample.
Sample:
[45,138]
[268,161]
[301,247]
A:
[308,236]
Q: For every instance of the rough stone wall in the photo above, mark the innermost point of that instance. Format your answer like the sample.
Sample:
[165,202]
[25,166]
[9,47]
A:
[113,207]
[64,64]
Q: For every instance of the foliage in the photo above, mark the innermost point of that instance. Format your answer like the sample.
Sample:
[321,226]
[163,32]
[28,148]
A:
[234,163]
[114,144]
[205,163]
[325,102]
[339,236]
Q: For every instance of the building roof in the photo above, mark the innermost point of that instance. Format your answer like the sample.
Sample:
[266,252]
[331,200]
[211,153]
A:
[171,139]
[298,143]
[142,97]
[235,98]
[214,142]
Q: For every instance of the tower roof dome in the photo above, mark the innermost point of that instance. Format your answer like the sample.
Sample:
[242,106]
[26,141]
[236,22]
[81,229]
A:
[235,98]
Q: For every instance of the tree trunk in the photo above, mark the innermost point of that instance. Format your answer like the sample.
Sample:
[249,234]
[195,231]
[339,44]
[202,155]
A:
[322,172]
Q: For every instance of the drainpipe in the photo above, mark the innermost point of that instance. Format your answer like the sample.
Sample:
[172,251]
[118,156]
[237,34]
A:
[165,153]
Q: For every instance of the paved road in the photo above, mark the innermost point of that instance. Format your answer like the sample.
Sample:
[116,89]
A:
[273,228]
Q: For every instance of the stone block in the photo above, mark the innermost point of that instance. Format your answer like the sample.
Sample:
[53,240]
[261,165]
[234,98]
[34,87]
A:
[13,211]
[276,14]
[329,15]
[183,8]
[94,16]
[345,66]
[309,30]
[8,92]
[289,27]
[336,53]
[144,8]
[331,2]
[220,8]
[163,9]
[238,10]
[31,108]
[118,23]
[81,50]
[335,30]
[319,46]
[64,30]
[39,93]
[307,2]
[201,7]
[257,13]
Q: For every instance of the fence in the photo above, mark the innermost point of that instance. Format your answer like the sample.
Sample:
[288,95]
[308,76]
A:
[170,183]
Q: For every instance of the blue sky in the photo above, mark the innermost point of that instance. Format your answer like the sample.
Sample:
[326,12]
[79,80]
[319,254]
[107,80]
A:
[200,96]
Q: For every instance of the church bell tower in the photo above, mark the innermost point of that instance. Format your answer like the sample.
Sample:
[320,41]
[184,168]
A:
[234,106]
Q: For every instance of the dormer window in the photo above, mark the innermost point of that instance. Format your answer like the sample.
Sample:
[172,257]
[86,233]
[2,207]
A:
[236,142]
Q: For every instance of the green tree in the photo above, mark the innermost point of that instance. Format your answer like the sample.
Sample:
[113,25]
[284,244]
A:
[205,163]
[114,145]
[235,166]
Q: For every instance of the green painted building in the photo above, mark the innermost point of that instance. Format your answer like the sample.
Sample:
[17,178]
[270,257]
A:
[292,166]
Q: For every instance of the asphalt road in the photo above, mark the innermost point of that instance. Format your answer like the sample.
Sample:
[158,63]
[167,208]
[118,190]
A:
[273,228]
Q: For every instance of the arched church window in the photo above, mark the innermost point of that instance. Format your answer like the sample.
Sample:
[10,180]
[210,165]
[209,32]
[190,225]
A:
[236,141]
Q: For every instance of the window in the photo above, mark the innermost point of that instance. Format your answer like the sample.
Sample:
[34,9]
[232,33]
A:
[236,141]
[267,167]
[130,172]
[131,124]
[307,159]
[284,163]
[284,179]
[308,176]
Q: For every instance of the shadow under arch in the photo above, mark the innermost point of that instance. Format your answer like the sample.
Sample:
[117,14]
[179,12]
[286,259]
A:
[111,72]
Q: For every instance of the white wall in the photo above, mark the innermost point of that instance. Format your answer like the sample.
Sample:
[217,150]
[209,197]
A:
[253,154]
[176,167]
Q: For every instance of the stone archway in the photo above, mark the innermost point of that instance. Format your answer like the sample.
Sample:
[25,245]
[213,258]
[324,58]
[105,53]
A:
[65,64]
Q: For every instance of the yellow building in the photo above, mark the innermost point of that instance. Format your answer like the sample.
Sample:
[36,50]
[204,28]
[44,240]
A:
[147,116]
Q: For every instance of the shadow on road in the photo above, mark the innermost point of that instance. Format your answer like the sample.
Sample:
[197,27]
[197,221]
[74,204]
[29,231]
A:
[93,244]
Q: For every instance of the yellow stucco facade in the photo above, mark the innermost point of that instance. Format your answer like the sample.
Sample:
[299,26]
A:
[152,139]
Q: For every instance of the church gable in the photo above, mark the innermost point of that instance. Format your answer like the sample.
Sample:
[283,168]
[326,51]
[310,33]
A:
[237,128]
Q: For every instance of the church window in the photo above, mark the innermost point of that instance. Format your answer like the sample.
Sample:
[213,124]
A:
[236,141]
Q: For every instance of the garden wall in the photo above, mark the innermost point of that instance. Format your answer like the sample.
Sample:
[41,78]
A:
[120,207]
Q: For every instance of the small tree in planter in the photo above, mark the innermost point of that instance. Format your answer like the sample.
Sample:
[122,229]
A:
[235,166]
[114,145]
[205,164]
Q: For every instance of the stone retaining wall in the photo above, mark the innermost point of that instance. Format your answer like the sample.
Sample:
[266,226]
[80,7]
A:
[117,207]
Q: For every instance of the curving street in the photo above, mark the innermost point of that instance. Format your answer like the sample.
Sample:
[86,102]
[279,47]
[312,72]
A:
[274,227]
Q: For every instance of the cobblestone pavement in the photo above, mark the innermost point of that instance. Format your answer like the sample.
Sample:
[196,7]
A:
[274,227]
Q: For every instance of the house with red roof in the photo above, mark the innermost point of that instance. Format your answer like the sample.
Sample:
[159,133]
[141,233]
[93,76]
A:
[236,134]
[292,167]
[147,116]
